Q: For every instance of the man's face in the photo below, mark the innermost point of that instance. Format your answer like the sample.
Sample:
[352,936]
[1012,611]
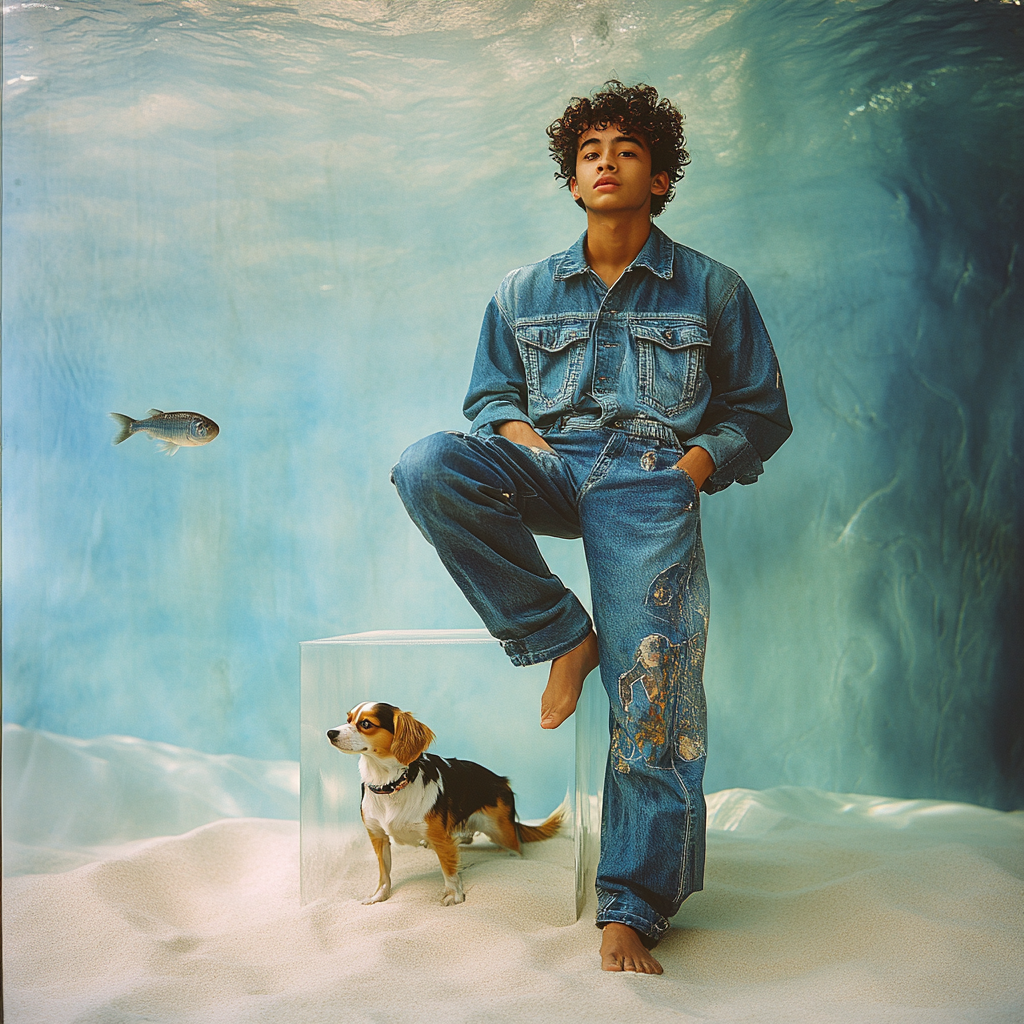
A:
[613,171]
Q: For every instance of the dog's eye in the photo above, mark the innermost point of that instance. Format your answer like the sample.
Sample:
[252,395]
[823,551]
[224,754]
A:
[365,724]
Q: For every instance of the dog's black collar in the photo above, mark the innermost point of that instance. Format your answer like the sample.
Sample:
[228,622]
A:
[401,782]
[392,787]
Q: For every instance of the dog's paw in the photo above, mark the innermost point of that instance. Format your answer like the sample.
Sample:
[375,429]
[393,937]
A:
[379,896]
[451,897]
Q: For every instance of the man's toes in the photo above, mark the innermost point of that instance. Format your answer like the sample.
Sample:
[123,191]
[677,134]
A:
[551,719]
[639,966]
[650,967]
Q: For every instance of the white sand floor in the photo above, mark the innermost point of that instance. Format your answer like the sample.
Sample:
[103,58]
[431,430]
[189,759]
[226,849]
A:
[817,908]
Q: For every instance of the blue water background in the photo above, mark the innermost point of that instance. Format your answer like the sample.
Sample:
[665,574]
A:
[290,218]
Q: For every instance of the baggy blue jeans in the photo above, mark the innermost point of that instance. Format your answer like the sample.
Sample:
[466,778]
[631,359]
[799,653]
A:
[479,501]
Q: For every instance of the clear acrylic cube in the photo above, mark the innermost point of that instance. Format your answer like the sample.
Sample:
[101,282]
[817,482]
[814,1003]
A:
[481,708]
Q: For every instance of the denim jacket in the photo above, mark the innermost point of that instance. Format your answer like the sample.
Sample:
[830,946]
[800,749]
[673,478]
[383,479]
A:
[677,341]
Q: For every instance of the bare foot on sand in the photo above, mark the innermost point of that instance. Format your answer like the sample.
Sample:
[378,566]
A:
[565,682]
[622,950]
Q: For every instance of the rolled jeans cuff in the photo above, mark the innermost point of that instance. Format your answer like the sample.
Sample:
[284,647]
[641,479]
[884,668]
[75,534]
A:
[625,908]
[569,629]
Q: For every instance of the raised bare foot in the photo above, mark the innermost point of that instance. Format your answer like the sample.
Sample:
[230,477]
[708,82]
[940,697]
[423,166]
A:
[565,682]
[622,950]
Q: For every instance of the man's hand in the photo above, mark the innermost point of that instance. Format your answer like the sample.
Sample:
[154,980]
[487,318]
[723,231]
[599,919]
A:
[697,465]
[524,434]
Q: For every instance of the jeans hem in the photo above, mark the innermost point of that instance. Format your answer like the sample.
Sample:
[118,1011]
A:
[523,652]
[650,931]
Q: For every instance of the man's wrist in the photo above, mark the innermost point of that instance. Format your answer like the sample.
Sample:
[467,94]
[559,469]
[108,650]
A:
[512,428]
[522,433]
[697,464]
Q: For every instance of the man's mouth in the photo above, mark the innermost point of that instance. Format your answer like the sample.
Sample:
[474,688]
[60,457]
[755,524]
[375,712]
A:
[605,181]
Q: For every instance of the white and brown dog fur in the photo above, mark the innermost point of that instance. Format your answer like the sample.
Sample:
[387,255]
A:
[418,799]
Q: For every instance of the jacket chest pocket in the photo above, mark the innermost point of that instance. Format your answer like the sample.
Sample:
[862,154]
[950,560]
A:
[671,363]
[553,357]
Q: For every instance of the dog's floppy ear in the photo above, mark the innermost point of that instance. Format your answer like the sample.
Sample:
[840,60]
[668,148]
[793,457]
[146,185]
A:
[411,737]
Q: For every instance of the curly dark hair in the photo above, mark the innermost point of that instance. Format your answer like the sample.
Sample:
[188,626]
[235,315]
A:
[638,109]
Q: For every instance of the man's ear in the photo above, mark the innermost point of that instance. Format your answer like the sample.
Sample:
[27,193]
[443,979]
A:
[660,183]
[411,737]
[575,191]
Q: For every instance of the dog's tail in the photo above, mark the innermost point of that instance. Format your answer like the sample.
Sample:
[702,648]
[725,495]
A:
[546,829]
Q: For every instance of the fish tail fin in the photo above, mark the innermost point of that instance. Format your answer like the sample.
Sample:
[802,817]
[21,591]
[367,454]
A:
[124,427]
[168,446]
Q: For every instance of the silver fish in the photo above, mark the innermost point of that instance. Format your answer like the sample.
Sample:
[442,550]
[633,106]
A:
[173,430]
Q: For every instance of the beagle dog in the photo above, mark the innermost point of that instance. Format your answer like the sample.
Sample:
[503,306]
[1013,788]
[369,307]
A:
[426,800]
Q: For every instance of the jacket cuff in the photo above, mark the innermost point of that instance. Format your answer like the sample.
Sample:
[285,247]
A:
[735,458]
[496,412]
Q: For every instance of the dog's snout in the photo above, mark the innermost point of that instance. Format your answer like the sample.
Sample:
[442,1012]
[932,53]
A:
[332,734]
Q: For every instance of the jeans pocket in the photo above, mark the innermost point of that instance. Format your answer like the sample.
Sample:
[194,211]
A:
[689,487]
[536,452]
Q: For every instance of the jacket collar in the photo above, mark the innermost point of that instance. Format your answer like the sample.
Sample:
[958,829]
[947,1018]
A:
[656,256]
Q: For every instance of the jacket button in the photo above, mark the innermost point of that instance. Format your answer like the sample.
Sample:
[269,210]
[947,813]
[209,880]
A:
[668,334]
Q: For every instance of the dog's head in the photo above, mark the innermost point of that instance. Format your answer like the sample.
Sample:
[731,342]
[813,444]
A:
[382,730]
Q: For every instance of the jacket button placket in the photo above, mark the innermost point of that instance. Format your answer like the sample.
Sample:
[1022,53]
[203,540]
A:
[609,340]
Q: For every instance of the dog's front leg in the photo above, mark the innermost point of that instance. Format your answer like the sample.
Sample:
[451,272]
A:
[447,851]
[381,847]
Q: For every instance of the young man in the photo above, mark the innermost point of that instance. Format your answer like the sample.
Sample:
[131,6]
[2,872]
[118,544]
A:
[613,382]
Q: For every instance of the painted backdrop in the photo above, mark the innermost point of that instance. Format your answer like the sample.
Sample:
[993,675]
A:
[289,217]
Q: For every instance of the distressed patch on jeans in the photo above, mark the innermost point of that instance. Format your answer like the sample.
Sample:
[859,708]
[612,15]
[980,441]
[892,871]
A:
[622,749]
[667,593]
[673,600]
[656,668]
[663,668]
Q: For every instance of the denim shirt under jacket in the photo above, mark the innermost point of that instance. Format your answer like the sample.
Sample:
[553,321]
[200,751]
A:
[677,341]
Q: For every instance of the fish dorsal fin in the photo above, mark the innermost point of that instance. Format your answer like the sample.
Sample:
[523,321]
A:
[155,412]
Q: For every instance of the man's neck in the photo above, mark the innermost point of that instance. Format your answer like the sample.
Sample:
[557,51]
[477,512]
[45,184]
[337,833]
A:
[613,242]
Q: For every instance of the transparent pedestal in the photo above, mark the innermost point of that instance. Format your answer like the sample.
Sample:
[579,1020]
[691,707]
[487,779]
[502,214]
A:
[461,684]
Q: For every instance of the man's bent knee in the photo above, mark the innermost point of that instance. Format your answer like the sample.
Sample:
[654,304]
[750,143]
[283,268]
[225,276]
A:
[420,463]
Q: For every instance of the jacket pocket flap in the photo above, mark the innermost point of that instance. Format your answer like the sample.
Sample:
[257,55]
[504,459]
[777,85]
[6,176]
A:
[552,337]
[670,335]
